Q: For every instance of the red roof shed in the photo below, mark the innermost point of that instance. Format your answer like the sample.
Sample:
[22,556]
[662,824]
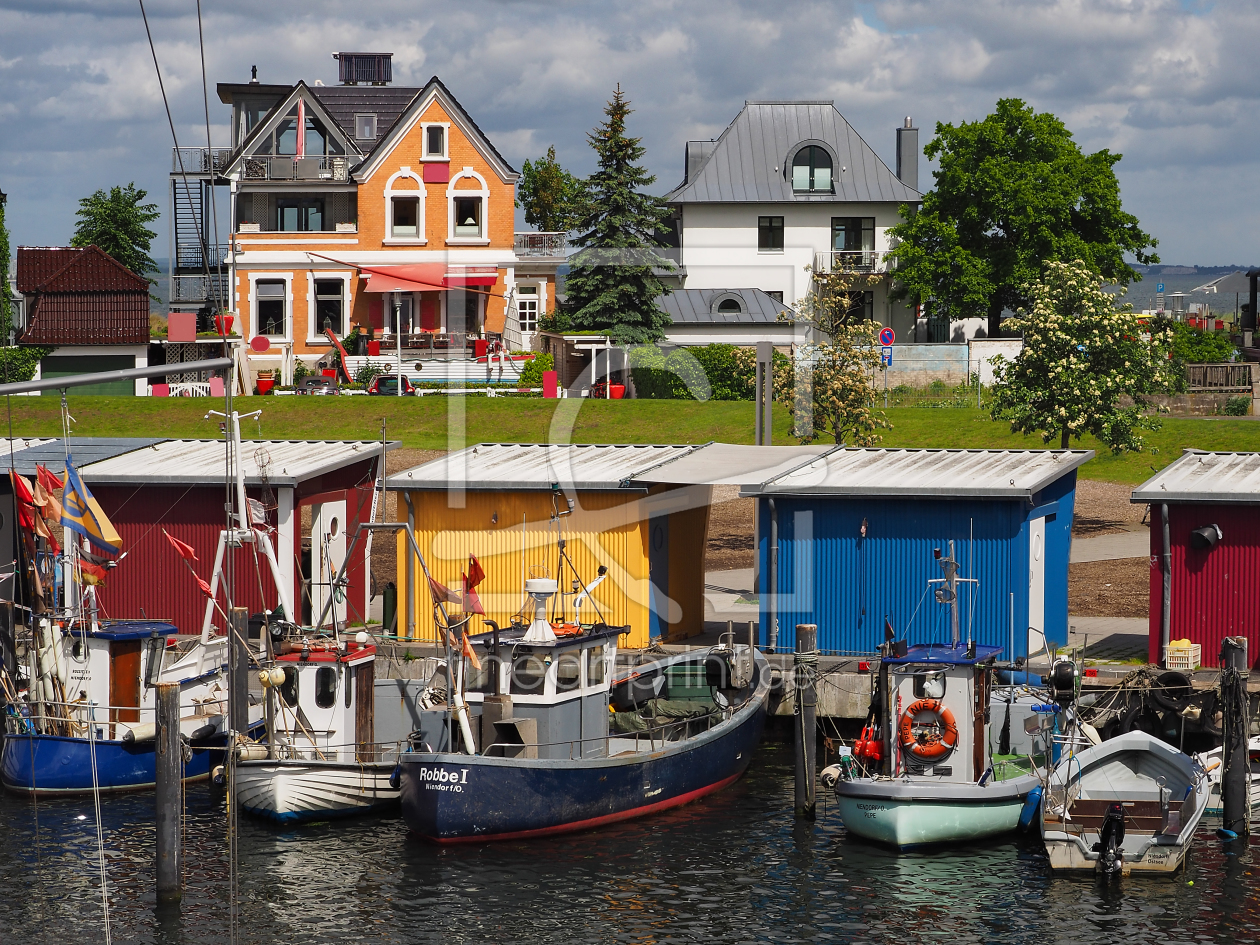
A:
[315,493]
[1212,504]
[81,297]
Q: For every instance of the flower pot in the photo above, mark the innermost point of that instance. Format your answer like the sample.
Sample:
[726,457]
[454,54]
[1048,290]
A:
[265,384]
[616,391]
[223,324]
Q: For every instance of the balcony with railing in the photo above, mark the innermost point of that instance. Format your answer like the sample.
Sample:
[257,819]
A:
[199,161]
[541,245]
[852,260]
[332,168]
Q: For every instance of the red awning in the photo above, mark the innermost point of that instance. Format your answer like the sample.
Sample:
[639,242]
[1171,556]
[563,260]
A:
[425,277]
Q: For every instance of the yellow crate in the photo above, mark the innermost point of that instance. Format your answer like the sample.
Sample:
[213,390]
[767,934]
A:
[1183,657]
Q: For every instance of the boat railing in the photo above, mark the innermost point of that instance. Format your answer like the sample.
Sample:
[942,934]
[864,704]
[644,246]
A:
[658,735]
[72,718]
[364,752]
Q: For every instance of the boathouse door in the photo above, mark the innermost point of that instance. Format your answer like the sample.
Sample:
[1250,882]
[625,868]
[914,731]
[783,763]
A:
[1036,585]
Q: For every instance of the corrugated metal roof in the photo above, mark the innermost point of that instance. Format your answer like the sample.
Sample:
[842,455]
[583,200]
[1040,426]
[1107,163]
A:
[1205,477]
[747,163]
[536,466]
[201,462]
[992,474]
[51,454]
[692,306]
[731,464]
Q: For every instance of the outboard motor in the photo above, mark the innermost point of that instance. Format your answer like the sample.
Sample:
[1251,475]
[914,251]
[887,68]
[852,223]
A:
[1110,855]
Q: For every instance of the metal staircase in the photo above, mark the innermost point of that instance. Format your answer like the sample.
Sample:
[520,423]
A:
[198,272]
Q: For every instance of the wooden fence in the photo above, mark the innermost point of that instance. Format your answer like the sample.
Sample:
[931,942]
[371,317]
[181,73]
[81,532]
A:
[1220,377]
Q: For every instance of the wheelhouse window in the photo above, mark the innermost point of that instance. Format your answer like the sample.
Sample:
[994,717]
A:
[811,171]
[595,666]
[365,127]
[406,217]
[289,688]
[770,234]
[330,305]
[435,141]
[467,216]
[568,672]
[325,687]
[271,303]
[527,307]
[300,215]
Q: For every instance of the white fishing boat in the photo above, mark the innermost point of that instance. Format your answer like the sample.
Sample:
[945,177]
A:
[322,759]
[1130,804]
[1213,763]
[925,771]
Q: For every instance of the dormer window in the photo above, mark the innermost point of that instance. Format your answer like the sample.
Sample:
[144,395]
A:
[365,127]
[729,307]
[811,171]
[435,141]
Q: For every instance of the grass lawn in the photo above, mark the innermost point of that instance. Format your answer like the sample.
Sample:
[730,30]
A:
[426,423]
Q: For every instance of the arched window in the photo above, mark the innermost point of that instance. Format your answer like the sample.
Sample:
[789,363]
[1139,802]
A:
[468,198]
[811,170]
[404,207]
[729,307]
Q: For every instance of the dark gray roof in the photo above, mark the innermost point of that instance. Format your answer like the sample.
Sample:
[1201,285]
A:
[386,102]
[691,306]
[746,164]
[84,450]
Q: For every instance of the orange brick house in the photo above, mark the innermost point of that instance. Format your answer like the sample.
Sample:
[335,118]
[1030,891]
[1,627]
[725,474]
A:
[373,206]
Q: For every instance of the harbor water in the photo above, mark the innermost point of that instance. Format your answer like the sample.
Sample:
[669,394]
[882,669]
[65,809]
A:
[734,867]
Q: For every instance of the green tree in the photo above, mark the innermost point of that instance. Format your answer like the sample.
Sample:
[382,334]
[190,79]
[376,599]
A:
[1013,191]
[1087,366]
[612,286]
[117,223]
[6,309]
[552,197]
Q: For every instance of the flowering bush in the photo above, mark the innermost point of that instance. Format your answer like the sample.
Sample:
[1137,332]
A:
[1087,366]
[833,387]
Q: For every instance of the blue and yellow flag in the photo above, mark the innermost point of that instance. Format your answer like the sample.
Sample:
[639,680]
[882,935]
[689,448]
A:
[81,513]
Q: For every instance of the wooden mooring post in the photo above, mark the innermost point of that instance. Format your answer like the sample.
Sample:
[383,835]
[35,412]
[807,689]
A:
[169,752]
[1236,768]
[804,738]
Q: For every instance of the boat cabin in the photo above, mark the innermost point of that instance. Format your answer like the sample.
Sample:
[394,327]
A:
[561,687]
[936,711]
[324,700]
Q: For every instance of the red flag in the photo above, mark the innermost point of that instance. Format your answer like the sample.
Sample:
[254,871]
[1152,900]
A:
[476,574]
[48,479]
[472,603]
[205,588]
[471,653]
[185,550]
[443,594]
[25,501]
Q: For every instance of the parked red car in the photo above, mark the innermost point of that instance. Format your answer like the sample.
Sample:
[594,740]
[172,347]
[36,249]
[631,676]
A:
[387,385]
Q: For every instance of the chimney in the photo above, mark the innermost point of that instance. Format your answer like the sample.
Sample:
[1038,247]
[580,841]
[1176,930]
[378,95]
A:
[908,154]
[368,68]
[253,75]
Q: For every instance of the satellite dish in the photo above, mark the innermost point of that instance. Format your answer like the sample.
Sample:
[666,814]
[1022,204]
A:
[259,343]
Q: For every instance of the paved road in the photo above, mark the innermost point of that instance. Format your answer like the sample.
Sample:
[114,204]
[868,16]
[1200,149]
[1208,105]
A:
[1135,544]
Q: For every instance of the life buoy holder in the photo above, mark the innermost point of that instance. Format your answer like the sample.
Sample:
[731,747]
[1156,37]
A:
[924,746]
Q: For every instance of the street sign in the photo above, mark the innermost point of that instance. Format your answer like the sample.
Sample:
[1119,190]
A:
[886,357]
[1159,287]
[886,337]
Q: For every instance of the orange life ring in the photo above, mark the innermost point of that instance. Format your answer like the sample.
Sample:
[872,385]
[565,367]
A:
[565,629]
[927,747]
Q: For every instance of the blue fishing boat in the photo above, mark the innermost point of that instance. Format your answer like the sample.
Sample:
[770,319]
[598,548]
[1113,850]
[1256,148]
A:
[548,737]
[91,695]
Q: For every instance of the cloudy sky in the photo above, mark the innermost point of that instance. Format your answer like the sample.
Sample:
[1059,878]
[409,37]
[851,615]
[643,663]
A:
[1169,84]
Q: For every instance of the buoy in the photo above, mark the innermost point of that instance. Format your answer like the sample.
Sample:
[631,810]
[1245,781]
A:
[1224,834]
[219,776]
[1028,814]
[140,732]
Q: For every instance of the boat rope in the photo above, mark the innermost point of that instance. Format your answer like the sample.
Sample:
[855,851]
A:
[100,831]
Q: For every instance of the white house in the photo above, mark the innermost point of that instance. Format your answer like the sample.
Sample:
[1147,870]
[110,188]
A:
[787,190]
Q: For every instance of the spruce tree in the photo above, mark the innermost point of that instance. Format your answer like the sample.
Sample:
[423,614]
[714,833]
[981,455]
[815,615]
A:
[612,286]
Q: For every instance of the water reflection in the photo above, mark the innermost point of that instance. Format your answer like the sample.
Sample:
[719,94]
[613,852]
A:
[734,868]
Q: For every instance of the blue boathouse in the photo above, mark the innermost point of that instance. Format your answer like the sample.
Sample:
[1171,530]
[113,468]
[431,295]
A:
[847,540]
